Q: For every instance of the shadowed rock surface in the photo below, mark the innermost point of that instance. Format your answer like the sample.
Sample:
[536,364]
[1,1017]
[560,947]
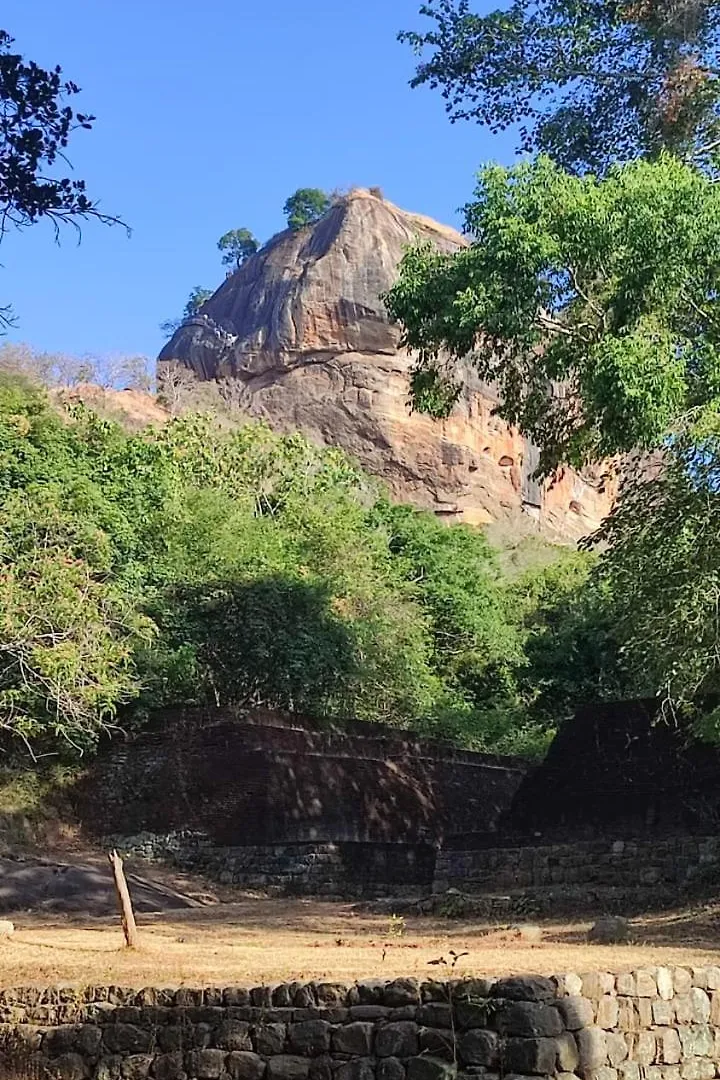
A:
[303,330]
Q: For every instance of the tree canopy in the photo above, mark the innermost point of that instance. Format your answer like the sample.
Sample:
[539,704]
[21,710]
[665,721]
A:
[305,207]
[589,82]
[591,304]
[237,245]
[207,562]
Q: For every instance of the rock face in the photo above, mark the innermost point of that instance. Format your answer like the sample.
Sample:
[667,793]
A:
[303,330]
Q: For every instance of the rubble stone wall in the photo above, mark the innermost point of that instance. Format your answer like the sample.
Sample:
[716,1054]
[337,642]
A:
[676,861]
[651,1024]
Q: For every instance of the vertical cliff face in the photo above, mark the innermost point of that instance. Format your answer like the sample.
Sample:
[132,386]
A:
[302,329]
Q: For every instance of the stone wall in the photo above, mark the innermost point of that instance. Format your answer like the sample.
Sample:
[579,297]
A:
[653,1024]
[586,870]
[265,779]
[619,769]
[294,869]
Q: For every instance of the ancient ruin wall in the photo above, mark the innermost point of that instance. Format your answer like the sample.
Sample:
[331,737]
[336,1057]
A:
[652,1024]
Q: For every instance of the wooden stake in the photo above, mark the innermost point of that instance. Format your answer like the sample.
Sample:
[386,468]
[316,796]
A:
[127,916]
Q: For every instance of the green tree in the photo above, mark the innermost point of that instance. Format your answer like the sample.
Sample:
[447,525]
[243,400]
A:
[305,207]
[237,245]
[195,301]
[593,305]
[662,567]
[589,83]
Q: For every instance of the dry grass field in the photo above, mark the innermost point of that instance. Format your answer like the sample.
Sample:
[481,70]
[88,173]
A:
[255,941]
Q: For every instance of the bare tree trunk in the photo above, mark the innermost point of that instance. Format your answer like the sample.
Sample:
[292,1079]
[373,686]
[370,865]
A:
[127,916]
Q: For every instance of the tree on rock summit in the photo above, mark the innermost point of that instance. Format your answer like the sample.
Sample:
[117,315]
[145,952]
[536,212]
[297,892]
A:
[305,207]
[237,246]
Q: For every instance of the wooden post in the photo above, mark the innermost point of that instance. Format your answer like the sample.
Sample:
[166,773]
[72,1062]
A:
[124,902]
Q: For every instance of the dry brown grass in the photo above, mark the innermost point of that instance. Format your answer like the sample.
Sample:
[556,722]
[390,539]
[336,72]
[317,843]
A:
[258,941]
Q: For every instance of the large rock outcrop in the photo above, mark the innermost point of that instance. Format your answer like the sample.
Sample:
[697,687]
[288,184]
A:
[303,330]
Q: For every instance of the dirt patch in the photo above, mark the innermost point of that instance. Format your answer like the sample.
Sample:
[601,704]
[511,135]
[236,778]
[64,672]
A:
[259,940]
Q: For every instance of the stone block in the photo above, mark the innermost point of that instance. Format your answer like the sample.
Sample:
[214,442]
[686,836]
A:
[682,980]
[403,1012]
[234,1035]
[524,988]
[109,1068]
[625,984]
[309,1037]
[368,1012]
[478,1047]
[360,1068]
[355,1038]
[669,1049]
[530,1056]
[645,983]
[644,1049]
[697,1069]
[261,997]
[269,1039]
[367,992]
[402,992]
[464,988]
[435,1014]
[397,1040]
[69,1067]
[715,1008]
[172,1067]
[244,1065]
[627,1015]
[607,1012]
[568,1057]
[126,1039]
[288,1067]
[569,984]
[700,977]
[617,1048]
[321,1067]
[390,1069]
[594,984]
[697,1041]
[713,978]
[663,1012]
[304,996]
[428,1068]
[529,1019]
[604,1072]
[683,1008]
[592,1047]
[629,1070]
[609,930]
[643,1007]
[136,1066]
[471,1014]
[236,995]
[665,984]
[577,1012]
[700,1005]
[437,1042]
[205,1064]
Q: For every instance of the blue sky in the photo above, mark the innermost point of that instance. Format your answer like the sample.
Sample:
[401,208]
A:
[209,116]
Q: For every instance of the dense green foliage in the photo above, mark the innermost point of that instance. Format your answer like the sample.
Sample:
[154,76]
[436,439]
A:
[305,207]
[237,245]
[590,82]
[607,287]
[208,563]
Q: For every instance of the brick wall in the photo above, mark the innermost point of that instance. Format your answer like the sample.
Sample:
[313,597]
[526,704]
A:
[652,1024]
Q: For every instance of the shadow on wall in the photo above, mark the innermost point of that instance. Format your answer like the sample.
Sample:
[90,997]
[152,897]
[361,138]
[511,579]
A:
[620,769]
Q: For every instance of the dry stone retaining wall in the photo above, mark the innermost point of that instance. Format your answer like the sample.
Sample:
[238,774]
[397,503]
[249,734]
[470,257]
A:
[677,861]
[653,1024]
